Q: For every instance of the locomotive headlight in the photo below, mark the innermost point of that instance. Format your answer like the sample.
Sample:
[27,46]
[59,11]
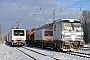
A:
[67,43]
[76,42]
[22,38]
[82,43]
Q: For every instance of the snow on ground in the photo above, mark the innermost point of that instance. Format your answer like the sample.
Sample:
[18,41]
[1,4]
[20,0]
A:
[11,53]
[36,55]
[58,55]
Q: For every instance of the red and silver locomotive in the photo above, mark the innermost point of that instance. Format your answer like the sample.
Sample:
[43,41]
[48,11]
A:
[61,35]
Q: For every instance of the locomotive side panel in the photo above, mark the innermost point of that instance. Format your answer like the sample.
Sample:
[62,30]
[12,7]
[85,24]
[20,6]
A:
[27,36]
[59,42]
[9,37]
[57,31]
[37,38]
[43,36]
[38,34]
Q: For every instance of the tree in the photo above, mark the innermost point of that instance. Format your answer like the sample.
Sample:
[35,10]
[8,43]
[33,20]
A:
[86,25]
[1,37]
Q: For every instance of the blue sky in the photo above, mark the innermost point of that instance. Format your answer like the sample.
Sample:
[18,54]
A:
[10,12]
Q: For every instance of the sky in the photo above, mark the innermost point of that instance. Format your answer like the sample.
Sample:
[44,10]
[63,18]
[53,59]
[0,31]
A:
[14,11]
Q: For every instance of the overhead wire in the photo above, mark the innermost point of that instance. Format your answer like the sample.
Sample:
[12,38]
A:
[60,11]
[70,5]
[23,3]
[29,10]
[42,8]
[26,12]
[19,8]
[45,7]
[18,11]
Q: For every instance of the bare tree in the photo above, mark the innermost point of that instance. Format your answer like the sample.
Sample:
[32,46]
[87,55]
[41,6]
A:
[86,25]
[1,37]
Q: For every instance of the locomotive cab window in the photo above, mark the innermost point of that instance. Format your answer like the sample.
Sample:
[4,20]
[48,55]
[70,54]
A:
[71,25]
[48,33]
[18,32]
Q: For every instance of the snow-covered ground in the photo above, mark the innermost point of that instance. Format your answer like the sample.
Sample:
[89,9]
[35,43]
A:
[11,53]
[58,55]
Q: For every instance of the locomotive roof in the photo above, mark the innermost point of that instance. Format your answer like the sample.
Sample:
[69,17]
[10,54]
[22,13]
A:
[46,25]
[18,29]
[71,20]
[68,20]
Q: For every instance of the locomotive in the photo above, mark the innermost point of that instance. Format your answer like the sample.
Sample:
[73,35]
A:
[68,34]
[17,37]
[43,36]
[61,35]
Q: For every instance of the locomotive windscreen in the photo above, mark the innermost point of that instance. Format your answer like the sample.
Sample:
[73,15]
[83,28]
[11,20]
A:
[76,25]
[18,32]
[48,33]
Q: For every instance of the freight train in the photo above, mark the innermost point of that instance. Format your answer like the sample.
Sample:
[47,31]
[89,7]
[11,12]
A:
[17,37]
[61,35]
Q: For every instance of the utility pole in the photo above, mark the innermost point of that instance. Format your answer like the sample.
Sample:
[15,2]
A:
[33,20]
[53,15]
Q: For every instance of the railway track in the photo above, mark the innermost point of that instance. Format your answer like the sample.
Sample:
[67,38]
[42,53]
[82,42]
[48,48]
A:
[26,54]
[78,54]
[84,55]
[38,53]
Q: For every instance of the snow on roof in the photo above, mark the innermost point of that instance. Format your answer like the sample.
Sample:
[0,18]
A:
[71,20]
